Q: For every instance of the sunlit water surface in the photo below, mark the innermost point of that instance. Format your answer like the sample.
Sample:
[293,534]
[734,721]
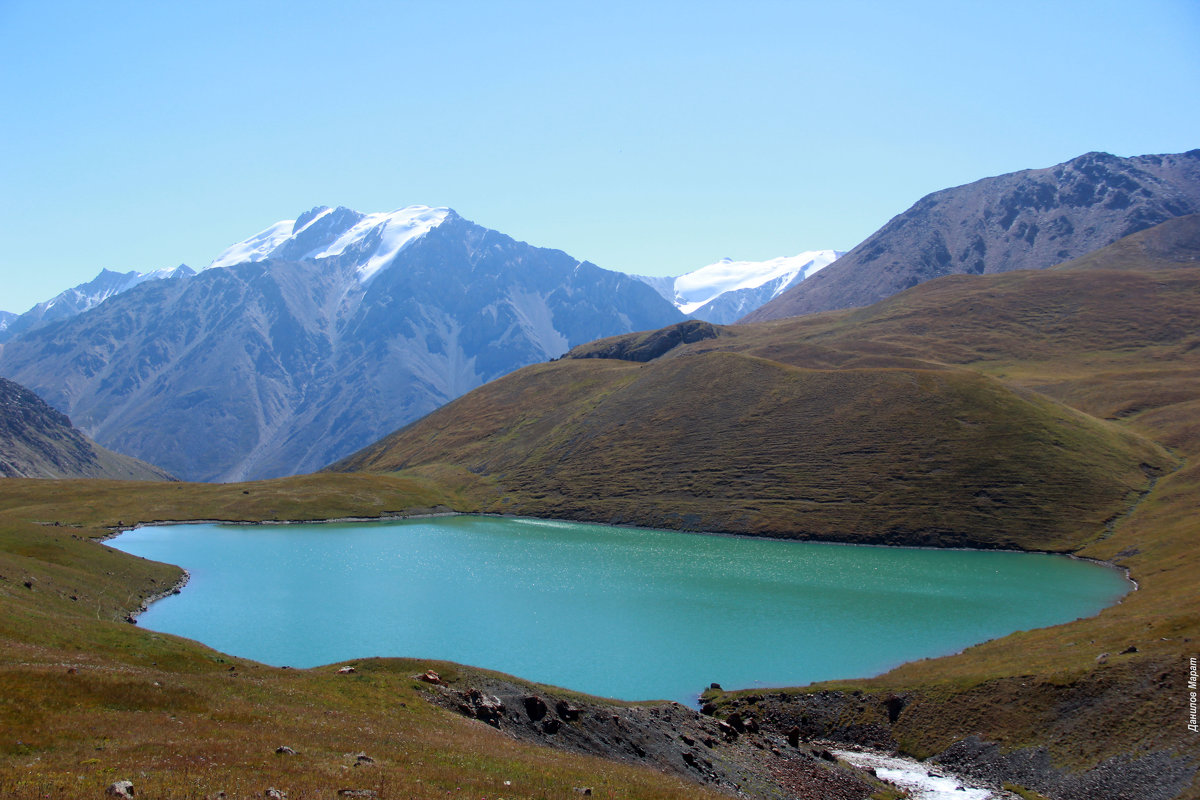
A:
[619,612]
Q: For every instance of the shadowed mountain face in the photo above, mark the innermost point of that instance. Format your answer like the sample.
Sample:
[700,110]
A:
[274,367]
[38,442]
[1023,220]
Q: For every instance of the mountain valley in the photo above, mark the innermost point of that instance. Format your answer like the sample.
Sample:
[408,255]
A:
[1092,365]
[1046,401]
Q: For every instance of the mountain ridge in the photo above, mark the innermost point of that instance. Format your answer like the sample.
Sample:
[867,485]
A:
[1031,219]
[83,297]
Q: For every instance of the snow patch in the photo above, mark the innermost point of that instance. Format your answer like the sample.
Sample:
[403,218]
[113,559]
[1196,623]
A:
[374,240]
[317,213]
[702,286]
[395,229]
[257,247]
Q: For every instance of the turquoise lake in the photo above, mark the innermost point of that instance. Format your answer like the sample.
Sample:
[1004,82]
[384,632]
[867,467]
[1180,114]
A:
[620,612]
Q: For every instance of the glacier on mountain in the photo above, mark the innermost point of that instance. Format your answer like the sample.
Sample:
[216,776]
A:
[726,290]
[373,240]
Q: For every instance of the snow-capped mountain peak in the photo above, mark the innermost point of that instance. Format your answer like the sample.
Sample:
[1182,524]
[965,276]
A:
[108,283]
[394,230]
[372,239]
[727,290]
[704,285]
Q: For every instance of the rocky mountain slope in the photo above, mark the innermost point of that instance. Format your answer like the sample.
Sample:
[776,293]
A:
[316,337]
[38,442]
[727,290]
[1023,220]
[1174,243]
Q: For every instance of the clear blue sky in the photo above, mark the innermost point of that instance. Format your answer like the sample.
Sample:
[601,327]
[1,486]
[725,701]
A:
[650,137]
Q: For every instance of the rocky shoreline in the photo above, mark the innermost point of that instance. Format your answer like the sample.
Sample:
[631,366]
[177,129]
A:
[738,757]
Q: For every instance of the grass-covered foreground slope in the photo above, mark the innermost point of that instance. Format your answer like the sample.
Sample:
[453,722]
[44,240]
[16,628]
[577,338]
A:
[87,699]
[1047,410]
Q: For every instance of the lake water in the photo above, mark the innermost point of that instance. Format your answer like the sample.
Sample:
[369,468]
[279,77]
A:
[619,612]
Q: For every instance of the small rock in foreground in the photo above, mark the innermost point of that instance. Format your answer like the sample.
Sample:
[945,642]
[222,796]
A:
[122,789]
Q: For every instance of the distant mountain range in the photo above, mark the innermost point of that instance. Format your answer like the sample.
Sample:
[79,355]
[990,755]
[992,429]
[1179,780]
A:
[315,337]
[720,292]
[81,298]
[36,441]
[1031,219]
[318,335]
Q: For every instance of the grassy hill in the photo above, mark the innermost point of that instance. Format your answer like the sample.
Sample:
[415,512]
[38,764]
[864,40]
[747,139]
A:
[910,421]
[734,442]
[1052,410]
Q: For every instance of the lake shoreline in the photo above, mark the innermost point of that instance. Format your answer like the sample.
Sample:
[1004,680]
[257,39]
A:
[805,593]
